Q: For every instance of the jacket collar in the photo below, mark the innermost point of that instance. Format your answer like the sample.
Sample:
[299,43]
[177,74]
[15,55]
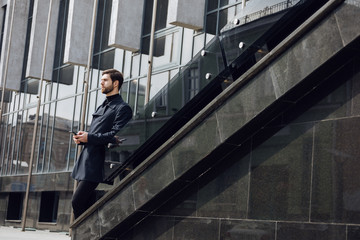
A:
[114,100]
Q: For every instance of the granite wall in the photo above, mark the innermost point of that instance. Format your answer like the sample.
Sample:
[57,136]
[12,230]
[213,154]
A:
[298,177]
[301,183]
[272,157]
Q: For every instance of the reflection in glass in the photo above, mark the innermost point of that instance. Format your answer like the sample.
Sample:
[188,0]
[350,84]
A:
[104,60]
[141,98]
[77,112]
[67,82]
[71,154]
[124,91]
[29,86]
[144,66]
[54,90]
[26,141]
[159,46]
[118,59]
[91,109]
[102,25]
[61,34]
[41,140]
[49,119]
[80,76]
[100,98]
[136,64]
[127,65]
[4,155]
[212,4]
[211,23]
[63,123]
[94,79]
[161,15]
[227,2]
[186,46]
[64,75]
[158,81]
[192,83]
[132,93]
[16,142]
[226,16]
[198,43]
[106,24]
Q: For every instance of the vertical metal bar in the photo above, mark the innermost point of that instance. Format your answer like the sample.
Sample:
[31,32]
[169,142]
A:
[86,86]
[151,52]
[26,201]
[243,4]
[6,63]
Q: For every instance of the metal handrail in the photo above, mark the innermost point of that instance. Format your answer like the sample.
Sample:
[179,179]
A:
[262,13]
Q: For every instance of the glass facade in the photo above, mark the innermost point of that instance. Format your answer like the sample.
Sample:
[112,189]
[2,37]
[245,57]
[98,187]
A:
[61,102]
[62,97]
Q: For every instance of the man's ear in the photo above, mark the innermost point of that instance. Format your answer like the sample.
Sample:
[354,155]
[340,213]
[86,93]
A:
[116,83]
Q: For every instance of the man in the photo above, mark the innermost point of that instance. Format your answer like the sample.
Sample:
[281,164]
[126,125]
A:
[107,120]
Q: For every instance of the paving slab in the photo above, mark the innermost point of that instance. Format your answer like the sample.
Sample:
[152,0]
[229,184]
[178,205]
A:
[11,233]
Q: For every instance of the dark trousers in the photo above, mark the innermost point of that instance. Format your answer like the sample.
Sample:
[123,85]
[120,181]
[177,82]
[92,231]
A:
[83,197]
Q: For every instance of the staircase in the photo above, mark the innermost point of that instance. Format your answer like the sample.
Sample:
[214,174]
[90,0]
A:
[265,95]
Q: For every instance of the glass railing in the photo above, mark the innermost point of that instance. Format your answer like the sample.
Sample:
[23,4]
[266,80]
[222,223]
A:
[223,60]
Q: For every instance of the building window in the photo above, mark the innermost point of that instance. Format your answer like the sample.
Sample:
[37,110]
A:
[49,206]
[219,13]
[103,55]
[27,42]
[15,206]
[3,10]
[63,73]
[161,23]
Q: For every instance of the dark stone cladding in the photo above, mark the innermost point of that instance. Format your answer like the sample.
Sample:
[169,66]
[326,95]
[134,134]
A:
[262,160]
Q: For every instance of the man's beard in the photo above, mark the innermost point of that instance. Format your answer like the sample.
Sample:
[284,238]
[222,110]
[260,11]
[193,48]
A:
[107,89]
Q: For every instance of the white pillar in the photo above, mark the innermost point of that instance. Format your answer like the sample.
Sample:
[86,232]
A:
[37,39]
[17,46]
[187,13]
[126,24]
[78,32]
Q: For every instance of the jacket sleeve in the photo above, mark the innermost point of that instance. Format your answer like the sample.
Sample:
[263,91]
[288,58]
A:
[122,117]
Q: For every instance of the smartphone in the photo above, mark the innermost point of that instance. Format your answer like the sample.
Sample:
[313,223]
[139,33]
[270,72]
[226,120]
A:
[73,132]
[122,139]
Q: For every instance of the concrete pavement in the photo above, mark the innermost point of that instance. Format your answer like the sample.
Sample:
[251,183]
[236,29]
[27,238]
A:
[10,233]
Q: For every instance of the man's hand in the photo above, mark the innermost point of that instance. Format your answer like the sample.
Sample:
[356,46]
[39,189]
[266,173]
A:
[118,140]
[81,137]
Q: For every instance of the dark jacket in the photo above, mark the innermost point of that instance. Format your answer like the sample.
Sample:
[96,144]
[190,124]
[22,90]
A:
[107,120]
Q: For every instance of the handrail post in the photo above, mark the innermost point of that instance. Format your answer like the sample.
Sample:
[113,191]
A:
[151,52]
[26,201]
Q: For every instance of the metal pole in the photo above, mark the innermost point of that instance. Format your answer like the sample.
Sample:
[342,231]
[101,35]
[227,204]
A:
[86,86]
[6,64]
[26,201]
[243,4]
[151,46]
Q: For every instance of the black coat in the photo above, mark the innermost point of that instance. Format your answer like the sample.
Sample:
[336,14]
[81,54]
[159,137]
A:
[107,120]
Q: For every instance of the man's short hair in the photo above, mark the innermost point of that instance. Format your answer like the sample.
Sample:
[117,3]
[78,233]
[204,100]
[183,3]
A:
[115,75]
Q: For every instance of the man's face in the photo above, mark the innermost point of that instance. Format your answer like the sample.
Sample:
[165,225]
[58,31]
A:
[107,84]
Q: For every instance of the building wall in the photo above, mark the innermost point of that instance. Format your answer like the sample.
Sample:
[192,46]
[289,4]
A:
[61,110]
[61,101]
[301,183]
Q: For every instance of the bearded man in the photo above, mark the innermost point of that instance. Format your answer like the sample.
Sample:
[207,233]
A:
[108,119]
